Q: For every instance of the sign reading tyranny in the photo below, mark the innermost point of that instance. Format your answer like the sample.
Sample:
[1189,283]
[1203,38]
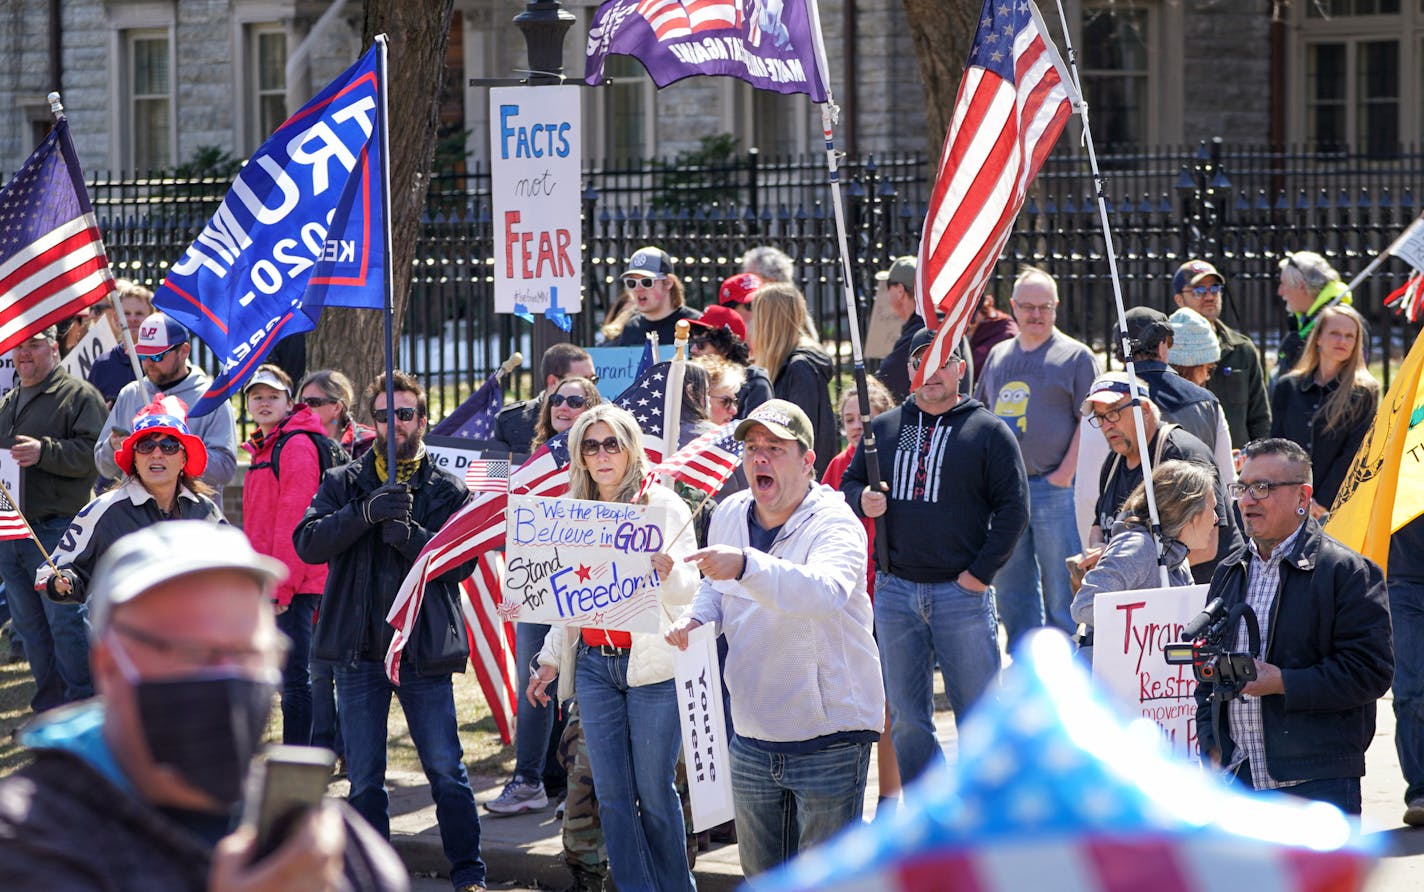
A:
[1129,631]
[535,144]
[583,563]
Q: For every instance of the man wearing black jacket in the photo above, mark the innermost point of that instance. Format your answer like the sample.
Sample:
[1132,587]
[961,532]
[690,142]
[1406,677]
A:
[956,504]
[1324,654]
[368,524]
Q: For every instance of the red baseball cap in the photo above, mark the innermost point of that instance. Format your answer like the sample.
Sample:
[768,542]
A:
[720,316]
[738,289]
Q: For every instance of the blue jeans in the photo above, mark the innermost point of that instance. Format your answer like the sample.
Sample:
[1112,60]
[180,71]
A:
[326,730]
[1406,610]
[56,636]
[296,623]
[633,740]
[1032,589]
[1341,792]
[532,724]
[785,804]
[429,706]
[915,624]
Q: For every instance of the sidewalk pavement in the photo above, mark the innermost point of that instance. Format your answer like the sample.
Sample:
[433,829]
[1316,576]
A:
[526,849]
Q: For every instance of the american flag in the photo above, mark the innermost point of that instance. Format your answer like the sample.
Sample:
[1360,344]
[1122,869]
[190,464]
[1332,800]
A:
[487,475]
[478,528]
[12,525]
[682,18]
[1055,789]
[703,464]
[474,418]
[1013,102]
[52,262]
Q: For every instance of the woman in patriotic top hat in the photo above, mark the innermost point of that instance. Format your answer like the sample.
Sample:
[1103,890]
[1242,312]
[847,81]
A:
[161,461]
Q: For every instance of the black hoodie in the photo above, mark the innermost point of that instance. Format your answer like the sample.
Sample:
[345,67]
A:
[962,508]
[805,379]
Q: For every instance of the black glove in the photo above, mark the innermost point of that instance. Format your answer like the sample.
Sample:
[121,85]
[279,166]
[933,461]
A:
[391,502]
[395,532]
[75,594]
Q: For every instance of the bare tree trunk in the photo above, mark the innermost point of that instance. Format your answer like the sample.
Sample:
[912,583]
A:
[943,32]
[354,340]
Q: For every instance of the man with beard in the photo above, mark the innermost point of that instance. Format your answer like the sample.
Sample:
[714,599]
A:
[163,349]
[367,523]
[138,789]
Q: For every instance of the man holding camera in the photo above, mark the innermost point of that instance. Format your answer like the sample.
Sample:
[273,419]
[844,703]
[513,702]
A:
[139,788]
[1325,654]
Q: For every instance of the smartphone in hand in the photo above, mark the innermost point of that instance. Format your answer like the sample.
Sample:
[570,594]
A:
[285,783]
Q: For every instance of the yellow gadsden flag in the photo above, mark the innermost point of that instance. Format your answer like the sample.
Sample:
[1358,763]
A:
[1385,487]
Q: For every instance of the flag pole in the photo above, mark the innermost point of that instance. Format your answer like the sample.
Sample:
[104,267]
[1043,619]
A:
[1406,235]
[383,79]
[5,490]
[1125,346]
[829,114]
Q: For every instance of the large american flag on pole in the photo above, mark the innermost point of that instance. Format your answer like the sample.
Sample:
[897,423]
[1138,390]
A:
[1013,102]
[478,528]
[52,262]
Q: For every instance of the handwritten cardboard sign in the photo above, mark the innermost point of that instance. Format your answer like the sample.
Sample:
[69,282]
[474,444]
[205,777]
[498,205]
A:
[584,563]
[617,368]
[1129,631]
[97,343]
[536,139]
[704,732]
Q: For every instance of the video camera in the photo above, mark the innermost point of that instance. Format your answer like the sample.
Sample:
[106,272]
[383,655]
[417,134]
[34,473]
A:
[1206,648]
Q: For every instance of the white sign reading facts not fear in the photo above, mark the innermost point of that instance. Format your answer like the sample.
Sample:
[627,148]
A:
[583,563]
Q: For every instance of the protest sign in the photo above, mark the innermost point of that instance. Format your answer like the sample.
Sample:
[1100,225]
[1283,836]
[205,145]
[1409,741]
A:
[884,328]
[482,470]
[536,143]
[9,380]
[617,368]
[97,343]
[10,475]
[704,733]
[584,563]
[1129,631]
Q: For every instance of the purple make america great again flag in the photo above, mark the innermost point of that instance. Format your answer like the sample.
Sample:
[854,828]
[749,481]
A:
[767,43]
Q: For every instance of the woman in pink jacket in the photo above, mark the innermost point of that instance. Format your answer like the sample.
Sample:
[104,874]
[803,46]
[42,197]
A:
[279,486]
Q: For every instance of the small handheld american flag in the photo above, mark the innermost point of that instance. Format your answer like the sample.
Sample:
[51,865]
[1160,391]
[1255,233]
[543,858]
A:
[704,464]
[487,475]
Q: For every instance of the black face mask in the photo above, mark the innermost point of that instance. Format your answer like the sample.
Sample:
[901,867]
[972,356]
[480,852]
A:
[207,729]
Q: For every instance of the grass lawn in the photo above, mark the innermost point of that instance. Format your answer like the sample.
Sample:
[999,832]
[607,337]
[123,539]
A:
[484,754]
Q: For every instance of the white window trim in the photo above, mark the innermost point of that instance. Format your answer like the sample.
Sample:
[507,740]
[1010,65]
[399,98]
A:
[123,19]
[247,15]
[1166,74]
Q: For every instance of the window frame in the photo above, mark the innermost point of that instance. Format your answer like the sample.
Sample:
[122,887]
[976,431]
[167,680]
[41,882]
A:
[127,22]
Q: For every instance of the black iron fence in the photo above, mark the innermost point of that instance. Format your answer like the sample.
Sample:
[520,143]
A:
[1239,207]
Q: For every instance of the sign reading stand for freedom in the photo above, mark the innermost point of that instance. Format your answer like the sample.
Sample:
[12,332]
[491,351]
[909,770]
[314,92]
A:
[584,563]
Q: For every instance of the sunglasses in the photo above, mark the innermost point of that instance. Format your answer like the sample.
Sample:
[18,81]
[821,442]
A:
[169,445]
[919,358]
[383,416]
[728,402]
[575,402]
[609,445]
[1202,290]
[158,357]
[316,402]
[631,282]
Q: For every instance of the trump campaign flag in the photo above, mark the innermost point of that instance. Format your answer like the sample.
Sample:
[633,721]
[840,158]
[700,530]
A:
[768,44]
[52,262]
[1013,102]
[302,227]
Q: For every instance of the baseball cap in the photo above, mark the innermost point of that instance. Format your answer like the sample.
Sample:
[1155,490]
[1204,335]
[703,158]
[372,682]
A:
[902,272]
[649,261]
[719,316]
[158,553]
[265,376]
[1146,328]
[1192,272]
[159,334]
[1194,341]
[1109,387]
[785,420]
[738,289]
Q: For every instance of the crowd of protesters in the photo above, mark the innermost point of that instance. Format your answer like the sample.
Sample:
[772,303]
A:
[837,580]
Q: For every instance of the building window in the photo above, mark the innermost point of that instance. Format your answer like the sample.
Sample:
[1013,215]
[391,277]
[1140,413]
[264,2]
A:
[778,123]
[150,90]
[267,82]
[1116,74]
[627,110]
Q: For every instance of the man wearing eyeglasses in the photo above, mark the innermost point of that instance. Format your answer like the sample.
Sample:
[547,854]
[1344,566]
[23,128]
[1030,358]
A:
[1324,654]
[141,787]
[1239,382]
[368,523]
[49,423]
[164,348]
[955,505]
[658,297]
[514,425]
[1035,382]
